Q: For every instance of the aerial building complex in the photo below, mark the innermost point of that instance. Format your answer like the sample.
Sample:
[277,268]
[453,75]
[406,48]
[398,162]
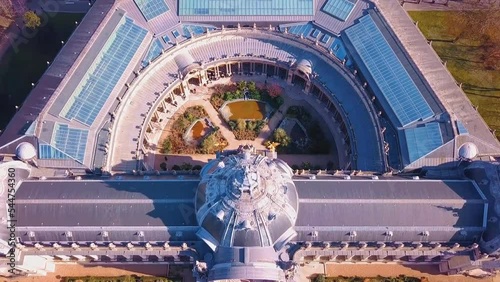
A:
[86,137]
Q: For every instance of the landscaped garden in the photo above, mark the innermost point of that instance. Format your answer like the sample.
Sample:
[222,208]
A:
[299,133]
[401,278]
[246,107]
[469,42]
[193,133]
[133,278]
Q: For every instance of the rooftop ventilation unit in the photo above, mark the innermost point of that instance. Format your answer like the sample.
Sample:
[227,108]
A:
[415,178]
[353,234]
[374,177]
[347,177]
[140,233]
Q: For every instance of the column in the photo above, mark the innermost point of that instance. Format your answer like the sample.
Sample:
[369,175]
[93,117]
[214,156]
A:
[308,86]
[290,77]
[203,76]
[239,67]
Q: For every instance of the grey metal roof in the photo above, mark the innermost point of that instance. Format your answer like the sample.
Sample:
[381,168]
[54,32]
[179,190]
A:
[159,209]
[387,189]
[448,210]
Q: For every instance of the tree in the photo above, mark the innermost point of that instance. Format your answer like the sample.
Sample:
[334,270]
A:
[274,90]
[31,20]
[281,137]
[209,144]
[166,146]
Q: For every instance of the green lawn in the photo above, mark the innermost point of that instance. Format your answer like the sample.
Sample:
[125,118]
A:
[465,60]
[19,68]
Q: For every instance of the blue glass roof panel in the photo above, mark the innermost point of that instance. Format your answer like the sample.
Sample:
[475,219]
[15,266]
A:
[246,8]
[153,52]
[96,86]
[422,140]
[395,84]
[46,151]
[340,9]
[70,141]
[316,33]
[150,9]
[461,128]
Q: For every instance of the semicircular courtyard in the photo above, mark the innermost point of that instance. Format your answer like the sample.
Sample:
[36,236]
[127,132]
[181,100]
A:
[337,113]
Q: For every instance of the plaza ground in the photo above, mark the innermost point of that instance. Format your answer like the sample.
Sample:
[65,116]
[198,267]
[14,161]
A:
[465,60]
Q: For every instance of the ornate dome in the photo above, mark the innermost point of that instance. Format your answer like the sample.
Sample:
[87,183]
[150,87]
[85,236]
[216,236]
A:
[246,200]
[25,151]
[468,151]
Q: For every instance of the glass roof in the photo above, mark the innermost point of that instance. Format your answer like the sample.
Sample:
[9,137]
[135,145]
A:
[150,9]
[422,140]
[461,128]
[46,151]
[246,7]
[153,52]
[395,84]
[70,141]
[340,9]
[94,89]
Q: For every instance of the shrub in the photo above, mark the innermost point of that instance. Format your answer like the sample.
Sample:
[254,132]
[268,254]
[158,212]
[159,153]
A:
[280,136]
[208,144]
[274,90]
[166,146]
[306,165]
[186,166]
[245,134]
[163,166]
[330,165]
[241,124]
[197,167]
[176,167]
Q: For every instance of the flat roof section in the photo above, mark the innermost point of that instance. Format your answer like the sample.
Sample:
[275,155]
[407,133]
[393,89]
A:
[246,8]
